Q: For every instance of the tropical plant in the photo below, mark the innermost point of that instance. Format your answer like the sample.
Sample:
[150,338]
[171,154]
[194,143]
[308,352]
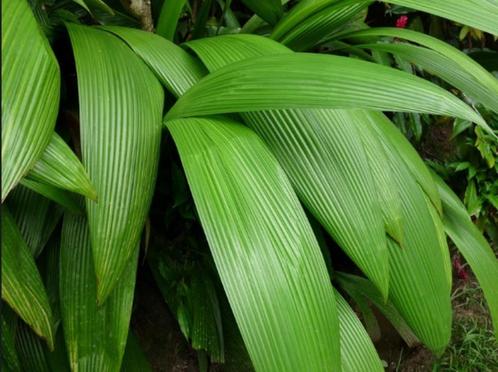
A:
[283,129]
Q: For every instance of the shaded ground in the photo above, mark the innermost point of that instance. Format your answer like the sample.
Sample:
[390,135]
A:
[473,347]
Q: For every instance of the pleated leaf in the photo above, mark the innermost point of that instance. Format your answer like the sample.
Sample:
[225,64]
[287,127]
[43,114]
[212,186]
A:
[8,326]
[35,356]
[355,285]
[134,359]
[59,166]
[35,216]
[168,18]
[473,246]
[174,67]
[120,138]
[324,158]
[269,10]
[30,92]
[311,28]
[268,260]
[64,198]
[481,14]
[95,335]
[358,353]
[419,285]
[22,286]
[445,68]
[315,81]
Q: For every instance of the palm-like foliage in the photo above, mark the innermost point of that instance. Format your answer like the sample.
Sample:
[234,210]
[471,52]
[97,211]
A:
[259,129]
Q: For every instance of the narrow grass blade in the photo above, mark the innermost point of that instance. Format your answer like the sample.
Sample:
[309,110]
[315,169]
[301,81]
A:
[95,335]
[22,286]
[481,14]
[269,262]
[120,139]
[175,68]
[58,166]
[35,216]
[473,246]
[358,353]
[30,92]
[315,81]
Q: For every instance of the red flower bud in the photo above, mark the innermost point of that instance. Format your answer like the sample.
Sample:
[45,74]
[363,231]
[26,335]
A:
[402,22]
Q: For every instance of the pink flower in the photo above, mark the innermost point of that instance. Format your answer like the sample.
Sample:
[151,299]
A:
[460,269]
[402,22]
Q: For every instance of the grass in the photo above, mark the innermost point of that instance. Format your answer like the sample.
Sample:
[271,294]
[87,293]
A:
[473,346]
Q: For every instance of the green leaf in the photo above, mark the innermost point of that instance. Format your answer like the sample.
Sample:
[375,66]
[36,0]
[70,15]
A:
[308,29]
[173,66]
[35,356]
[64,198]
[95,335]
[120,139]
[22,286]
[269,10]
[438,58]
[473,246]
[357,286]
[168,18]
[481,14]
[268,260]
[419,284]
[35,216]
[358,353]
[134,359]
[58,166]
[337,164]
[30,92]
[8,326]
[315,81]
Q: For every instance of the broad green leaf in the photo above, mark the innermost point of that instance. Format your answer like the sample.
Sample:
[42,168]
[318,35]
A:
[30,92]
[315,81]
[35,216]
[481,14]
[268,260]
[355,285]
[58,166]
[392,136]
[473,246]
[309,29]
[269,10]
[325,176]
[419,286]
[134,359]
[95,335]
[358,353]
[206,331]
[168,18]
[442,60]
[22,286]
[65,198]
[120,139]
[173,66]
[8,326]
[35,356]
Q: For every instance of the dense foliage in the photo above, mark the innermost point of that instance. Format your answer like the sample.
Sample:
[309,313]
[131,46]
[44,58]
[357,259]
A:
[259,159]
